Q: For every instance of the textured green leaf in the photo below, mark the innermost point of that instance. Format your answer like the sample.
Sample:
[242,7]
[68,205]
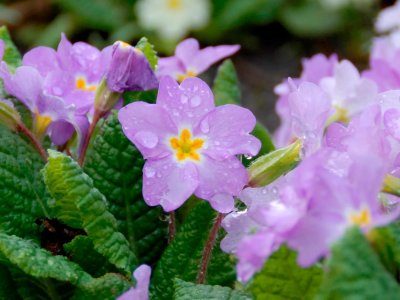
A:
[107,287]
[182,257]
[81,251]
[11,55]
[149,52]
[7,285]
[355,272]
[282,279]
[69,186]
[226,84]
[269,167]
[39,263]
[386,241]
[116,168]
[23,197]
[190,291]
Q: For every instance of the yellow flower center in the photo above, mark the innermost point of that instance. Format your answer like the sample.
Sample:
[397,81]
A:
[124,44]
[81,84]
[40,125]
[341,115]
[185,147]
[174,4]
[189,73]
[361,218]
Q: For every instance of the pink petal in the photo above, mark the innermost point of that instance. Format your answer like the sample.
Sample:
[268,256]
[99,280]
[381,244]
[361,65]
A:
[223,203]
[44,59]
[187,50]
[170,66]
[227,128]
[147,126]
[210,55]
[187,103]
[220,177]
[168,184]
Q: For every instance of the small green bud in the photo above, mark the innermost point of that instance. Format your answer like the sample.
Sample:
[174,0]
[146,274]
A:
[391,185]
[105,98]
[269,167]
[9,116]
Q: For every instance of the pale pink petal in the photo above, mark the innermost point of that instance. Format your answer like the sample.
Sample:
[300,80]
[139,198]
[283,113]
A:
[170,66]
[187,103]
[223,203]
[227,128]
[187,50]
[167,183]
[44,59]
[210,55]
[148,127]
[220,177]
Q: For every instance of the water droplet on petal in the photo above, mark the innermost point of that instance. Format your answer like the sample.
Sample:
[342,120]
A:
[147,139]
[175,113]
[204,126]
[248,157]
[149,172]
[184,99]
[195,101]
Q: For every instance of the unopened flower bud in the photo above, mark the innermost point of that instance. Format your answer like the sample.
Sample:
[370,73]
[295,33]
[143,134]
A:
[269,167]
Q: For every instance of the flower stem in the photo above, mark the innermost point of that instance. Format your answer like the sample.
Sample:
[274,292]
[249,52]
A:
[171,227]
[36,144]
[96,117]
[201,275]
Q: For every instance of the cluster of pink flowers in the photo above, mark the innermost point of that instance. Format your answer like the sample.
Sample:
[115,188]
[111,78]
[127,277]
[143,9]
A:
[349,126]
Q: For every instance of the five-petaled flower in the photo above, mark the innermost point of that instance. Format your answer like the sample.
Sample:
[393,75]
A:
[190,145]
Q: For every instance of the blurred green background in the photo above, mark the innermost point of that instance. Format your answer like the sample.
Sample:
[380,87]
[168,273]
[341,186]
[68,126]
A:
[274,34]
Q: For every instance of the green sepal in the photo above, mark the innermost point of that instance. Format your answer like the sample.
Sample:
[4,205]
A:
[148,51]
[226,85]
[269,167]
[11,54]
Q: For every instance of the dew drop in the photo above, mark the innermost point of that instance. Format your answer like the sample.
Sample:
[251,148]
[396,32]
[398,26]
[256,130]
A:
[184,99]
[195,101]
[175,113]
[149,172]
[147,139]
[204,126]
[246,156]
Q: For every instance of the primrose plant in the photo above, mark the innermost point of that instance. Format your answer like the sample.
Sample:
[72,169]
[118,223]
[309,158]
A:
[125,176]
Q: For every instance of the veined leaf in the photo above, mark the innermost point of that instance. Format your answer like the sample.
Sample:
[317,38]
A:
[39,263]
[23,197]
[190,291]
[226,84]
[7,285]
[70,186]
[147,96]
[149,52]
[108,287]
[282,279]
[355,272]
[116,168]
[182,257]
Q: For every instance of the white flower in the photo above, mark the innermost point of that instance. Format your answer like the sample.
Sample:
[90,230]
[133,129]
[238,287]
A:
[172,19]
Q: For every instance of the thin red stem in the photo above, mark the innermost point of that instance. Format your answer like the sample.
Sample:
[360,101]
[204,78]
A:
[201,275]
[36,144]
[171,227]
[96,117]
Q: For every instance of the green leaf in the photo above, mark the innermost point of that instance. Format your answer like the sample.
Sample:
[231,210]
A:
[310,19]
[226,84]
[116,168]
[81,251]
[147,96]
[149,52]
[103,15]
[70,186]
[7,285]
[190,291]
[355,272]
[182,257]
[39,263]
[23,197]
[107,287]
[11,55]
[282,279]
[269,167]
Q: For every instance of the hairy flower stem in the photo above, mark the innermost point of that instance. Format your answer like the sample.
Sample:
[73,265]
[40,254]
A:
[201,275]
[96,117]
[171,227]
[36,144]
